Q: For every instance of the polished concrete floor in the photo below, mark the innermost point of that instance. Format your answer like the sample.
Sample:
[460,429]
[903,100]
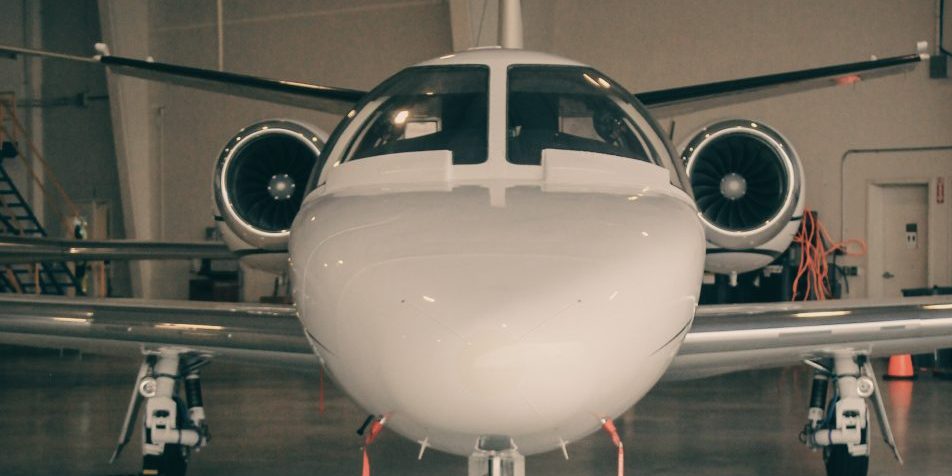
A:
[60,414]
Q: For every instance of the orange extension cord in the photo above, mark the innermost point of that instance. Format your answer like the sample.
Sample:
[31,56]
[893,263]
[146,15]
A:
[814,251]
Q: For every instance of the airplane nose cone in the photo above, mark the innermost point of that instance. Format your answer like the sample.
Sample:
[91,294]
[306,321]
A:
[453,312]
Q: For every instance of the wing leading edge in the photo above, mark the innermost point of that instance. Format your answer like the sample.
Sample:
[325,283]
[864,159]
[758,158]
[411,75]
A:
[737,337]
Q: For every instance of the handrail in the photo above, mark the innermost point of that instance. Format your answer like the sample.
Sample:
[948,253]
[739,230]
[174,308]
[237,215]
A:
[34,152]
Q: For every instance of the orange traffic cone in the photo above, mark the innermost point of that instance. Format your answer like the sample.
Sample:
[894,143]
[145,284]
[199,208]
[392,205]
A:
[900,367]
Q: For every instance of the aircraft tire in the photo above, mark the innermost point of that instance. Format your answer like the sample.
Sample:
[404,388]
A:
[172,462]
[839,462]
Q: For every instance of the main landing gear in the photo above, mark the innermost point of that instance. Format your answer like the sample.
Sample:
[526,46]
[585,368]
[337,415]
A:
[840,427]
[173,426]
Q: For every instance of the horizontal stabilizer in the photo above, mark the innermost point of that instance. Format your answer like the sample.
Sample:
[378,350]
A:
[289,93]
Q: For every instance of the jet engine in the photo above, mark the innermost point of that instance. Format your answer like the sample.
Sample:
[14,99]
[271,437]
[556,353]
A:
[747,181]
[259,183]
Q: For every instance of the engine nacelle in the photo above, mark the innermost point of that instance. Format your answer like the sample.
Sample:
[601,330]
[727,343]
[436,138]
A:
[259,183]
[747,182]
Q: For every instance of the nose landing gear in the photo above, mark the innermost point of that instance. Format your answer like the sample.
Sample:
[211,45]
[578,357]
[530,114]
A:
[173,427]
[496,455]
[841,427]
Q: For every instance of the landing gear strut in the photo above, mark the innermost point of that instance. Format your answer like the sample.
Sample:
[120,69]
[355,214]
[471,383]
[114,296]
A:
[173,427]
[841,427]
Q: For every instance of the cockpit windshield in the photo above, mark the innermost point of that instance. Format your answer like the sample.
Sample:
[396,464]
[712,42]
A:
[424,109]
[571,108]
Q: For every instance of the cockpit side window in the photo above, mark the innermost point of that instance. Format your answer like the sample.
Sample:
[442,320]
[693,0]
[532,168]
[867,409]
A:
[572,108]
[428,108]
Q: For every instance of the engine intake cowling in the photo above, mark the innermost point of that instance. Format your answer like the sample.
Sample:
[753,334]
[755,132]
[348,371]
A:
[260,180]
[746,180]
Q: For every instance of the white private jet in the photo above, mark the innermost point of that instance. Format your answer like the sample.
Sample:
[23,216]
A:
[479,226]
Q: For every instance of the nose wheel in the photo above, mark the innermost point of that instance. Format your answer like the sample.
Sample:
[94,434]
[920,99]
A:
[172,426]
[840,427]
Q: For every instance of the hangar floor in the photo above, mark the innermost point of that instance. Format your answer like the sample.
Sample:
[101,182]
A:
[61,415]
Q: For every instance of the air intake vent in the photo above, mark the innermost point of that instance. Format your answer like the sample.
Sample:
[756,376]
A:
[266,180]
[746,182]
[261,178]
[738,182]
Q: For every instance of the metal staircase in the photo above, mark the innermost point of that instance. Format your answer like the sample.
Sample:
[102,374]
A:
[17,219]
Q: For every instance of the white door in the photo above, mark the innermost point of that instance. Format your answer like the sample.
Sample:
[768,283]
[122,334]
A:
[904,247]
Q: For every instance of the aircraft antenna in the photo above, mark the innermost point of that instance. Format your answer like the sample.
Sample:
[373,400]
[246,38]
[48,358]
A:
[510,24]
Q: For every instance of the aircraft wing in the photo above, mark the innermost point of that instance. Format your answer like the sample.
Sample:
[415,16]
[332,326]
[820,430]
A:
[722,338]
[261,333]
[15,249]
[669,102]
[729,338]
[290,93]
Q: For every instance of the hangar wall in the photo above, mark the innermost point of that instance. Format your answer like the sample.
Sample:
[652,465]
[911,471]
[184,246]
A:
[644,45]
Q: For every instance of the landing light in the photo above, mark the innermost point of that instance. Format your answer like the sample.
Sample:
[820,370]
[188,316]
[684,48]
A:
[428,299]
[822,314]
